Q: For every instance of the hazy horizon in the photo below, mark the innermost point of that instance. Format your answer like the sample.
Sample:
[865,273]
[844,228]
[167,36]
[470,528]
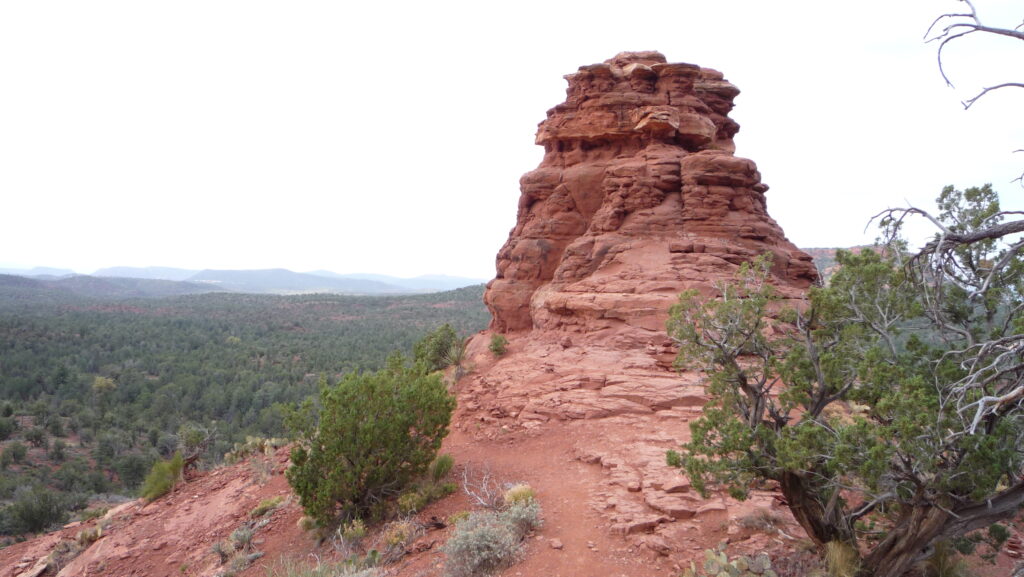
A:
[7,266]
[391,138]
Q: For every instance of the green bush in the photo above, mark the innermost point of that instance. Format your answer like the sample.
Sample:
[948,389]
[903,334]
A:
[498,345]
[377,434]
[36,436]
[434,349]
[34,509]
[57,450]
[7,427]
[162,477]
[13,453]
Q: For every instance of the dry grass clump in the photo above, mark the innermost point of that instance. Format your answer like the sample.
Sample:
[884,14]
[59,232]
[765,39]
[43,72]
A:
[841,559]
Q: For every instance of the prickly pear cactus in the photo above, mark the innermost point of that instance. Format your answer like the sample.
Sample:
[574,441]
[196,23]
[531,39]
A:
[717,564]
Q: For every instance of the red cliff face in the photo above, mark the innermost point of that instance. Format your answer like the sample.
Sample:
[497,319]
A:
[639,196]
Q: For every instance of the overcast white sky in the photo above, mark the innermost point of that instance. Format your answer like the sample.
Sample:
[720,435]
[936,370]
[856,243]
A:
[389,137]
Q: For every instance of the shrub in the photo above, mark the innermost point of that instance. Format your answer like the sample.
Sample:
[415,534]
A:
[162,477]
[522,516]
[351,462]
[411,502]
[36,436]
[222,550]
[57,450]
[242,538]
[498,345]
[434,350]
[7,427]
[131,469]
[482,544]
[14,453]
[34,509]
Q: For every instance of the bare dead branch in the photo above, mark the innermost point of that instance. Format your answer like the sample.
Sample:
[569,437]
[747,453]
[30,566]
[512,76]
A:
[970,101]
[482,488]
[949,240]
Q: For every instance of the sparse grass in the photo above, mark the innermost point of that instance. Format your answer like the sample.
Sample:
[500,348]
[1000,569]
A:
[222,550]
[63,553]
[290,567]
[440,468]
[803,562]
[841,559]
[349,536]
[519,493]
[418,497]
[266,506]
[239,563]
[261,468]
[944,562]
[411,502]
[89,535]
[306,523]
[242,538]
[761,519]
[90,514]
[395,537]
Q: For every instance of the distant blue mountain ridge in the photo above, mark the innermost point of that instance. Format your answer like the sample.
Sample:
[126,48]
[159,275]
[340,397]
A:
[161,281]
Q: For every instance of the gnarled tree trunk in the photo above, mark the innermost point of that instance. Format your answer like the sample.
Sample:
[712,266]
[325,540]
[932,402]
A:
[917,528]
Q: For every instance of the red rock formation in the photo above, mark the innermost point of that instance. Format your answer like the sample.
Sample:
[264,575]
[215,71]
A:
[639,196]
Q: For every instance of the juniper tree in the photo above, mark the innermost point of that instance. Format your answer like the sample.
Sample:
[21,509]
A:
[888,411]
[376,433]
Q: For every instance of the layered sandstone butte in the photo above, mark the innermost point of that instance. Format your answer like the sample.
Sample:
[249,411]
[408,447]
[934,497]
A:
[639,196]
